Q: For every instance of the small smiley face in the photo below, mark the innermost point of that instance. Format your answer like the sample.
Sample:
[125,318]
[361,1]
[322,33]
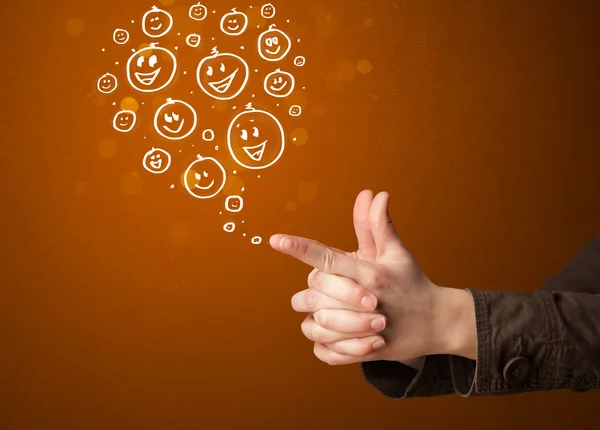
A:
[234,203]
[274,44]
[198,12]
[279,84]
[124,121]
[156,22]
[204,178]
[267,11]
[222,76]
[193,40]
[295,110]
[107,83]
[256,240]
[157,161]
[299,61]
[120,36]
[229,227]
[151,69]
[234,23]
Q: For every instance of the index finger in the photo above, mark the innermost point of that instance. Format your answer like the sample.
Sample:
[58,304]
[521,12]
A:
[317,255]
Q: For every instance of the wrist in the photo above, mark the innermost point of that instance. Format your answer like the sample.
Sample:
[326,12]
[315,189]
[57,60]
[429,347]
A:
[457,331]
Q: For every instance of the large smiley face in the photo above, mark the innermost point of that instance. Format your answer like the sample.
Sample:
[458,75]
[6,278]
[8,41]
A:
[279,84]
[267,11]
[234,23]
[204,178]
[124,121]
[274,44]
[175,120]
[222,76]
[121,36]
[255,139]
[107,83]
[198,12]
[157,161]
[151,69]
[156,22]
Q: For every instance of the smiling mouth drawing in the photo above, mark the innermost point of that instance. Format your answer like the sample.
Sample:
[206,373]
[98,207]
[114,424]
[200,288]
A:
[147,78]
[205,188]
[123,125]
[223,86]
[156,164]
[106,88]
[233,29]
[280,88]
[175,131]
[156,28]
[273,53]
[256,152]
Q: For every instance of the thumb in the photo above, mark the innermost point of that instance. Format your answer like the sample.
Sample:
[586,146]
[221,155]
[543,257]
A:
[382,227]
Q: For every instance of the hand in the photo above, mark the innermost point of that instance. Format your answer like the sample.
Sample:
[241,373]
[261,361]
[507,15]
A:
[421,316]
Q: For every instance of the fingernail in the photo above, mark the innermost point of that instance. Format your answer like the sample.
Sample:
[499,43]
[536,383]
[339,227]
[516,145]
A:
[378,344]
[378,324]
[368,302]
[287,243]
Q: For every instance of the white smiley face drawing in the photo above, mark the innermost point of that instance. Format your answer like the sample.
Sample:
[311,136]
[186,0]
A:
[124,121]
[222,76]
[198,12]
[151,69]
[234,204]
[121,36]
[268,11]
[274,44]
[204,178]
[234,23]
[279,83]
[193,40]
[157,161]
[175,120]
[107,83]
[156,22]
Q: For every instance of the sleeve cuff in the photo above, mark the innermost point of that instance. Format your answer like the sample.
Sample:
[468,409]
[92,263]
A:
[398,381]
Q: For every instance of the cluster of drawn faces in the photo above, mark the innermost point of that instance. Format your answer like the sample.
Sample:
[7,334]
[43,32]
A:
[255,138]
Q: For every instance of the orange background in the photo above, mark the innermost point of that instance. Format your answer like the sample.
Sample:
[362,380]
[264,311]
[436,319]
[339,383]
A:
[124,305]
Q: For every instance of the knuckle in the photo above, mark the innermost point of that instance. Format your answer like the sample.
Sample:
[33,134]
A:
[322,317]
[327,259]
[373,278]
[317,279]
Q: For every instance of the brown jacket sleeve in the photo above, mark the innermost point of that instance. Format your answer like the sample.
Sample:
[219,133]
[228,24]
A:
[543,340]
